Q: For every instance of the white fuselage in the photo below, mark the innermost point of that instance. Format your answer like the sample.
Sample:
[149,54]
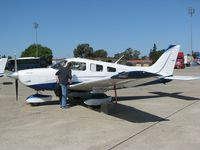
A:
[97,76]
[83,70]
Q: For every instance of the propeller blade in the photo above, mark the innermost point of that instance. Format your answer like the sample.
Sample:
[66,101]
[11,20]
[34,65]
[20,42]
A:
[16,88]
[16,78]
[15,63]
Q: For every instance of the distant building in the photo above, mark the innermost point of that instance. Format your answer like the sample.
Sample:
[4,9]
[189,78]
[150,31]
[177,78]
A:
[143,63]
[57,60]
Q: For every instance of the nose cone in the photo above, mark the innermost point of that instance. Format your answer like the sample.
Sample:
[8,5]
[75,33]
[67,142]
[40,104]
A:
[13,75]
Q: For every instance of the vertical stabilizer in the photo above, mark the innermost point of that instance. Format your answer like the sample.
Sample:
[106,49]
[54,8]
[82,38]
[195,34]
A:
[165,64]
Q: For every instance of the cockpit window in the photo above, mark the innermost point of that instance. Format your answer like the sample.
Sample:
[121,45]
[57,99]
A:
[111,69]
[58,65]
[96,67]
[80,66]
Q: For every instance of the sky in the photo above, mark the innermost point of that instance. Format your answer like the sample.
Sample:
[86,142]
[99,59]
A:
[113,25]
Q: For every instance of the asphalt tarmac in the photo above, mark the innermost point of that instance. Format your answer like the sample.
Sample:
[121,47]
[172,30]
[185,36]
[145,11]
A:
[156,117]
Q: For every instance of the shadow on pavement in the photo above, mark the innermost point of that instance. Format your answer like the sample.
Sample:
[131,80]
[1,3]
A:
[128,113]
[175,95]
[132,114]
[157,95]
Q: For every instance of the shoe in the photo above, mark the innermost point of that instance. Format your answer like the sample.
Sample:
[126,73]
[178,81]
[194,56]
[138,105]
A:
[64,107]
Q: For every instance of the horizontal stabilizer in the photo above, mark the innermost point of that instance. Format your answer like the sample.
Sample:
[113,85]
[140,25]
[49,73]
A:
[182,78]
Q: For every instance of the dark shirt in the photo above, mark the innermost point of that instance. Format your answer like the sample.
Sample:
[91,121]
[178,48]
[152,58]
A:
[63,75]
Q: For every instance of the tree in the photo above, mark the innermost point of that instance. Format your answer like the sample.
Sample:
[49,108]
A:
[101,53]
[155,54]
[154,47]
[3,56]
[118,55]
[83,51]
[144,57]
[43,52]
[136,54]
[194,55]
[129,53]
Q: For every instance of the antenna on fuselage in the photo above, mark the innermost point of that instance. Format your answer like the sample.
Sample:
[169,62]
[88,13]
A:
[119,59]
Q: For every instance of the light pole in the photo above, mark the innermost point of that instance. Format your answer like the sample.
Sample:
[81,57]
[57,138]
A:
[35,26]
[191,12]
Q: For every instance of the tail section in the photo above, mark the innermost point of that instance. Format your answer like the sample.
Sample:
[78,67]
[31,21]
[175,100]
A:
[165,64]
[2,66]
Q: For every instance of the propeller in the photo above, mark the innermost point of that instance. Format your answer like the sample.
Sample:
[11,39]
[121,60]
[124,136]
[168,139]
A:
[14,75]
[16,79]
[16,88]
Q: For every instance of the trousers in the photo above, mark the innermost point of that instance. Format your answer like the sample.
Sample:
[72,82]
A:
[63,101]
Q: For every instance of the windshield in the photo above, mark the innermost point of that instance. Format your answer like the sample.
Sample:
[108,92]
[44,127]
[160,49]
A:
[58,65]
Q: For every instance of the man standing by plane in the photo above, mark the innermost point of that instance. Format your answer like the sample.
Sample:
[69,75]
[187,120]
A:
[64,79]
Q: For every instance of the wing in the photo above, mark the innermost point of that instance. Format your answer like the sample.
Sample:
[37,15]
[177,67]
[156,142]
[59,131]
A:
[121,80]
[90,85]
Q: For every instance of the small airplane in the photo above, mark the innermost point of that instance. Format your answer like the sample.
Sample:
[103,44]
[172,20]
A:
[91,76]
[3,62]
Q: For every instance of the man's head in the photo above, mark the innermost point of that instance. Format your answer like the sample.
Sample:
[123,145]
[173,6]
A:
[69,64]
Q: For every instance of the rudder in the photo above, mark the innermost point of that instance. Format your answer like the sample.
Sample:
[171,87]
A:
[165,64]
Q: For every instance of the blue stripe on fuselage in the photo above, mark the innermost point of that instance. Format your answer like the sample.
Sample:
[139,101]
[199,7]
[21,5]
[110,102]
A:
[46,86]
